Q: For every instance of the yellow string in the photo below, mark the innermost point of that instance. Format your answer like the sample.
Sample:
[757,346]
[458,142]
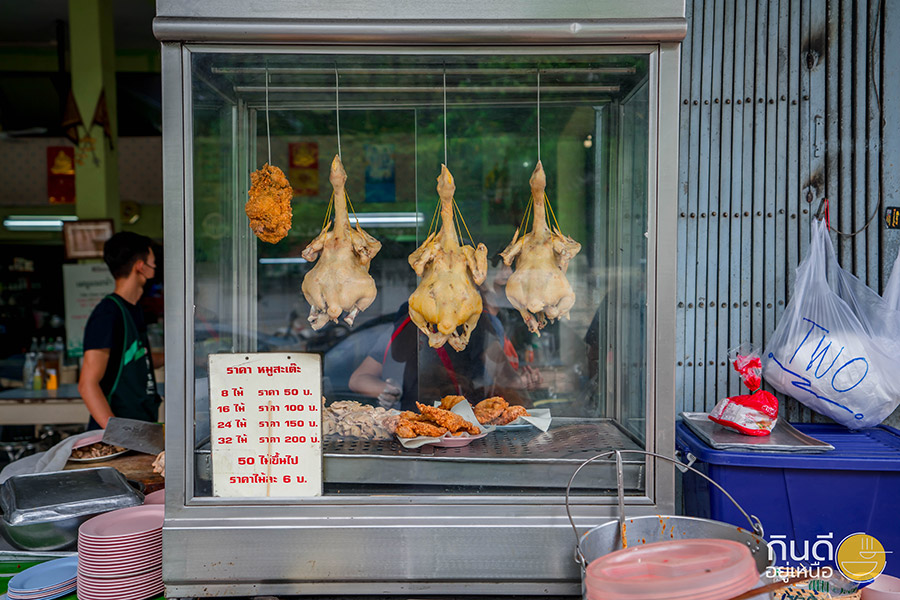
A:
[433,218]
[328,211]
[525,215]
[461,218]
[347,196]
[552,214]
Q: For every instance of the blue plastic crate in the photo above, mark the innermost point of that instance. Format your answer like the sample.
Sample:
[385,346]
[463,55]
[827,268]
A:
[805,497]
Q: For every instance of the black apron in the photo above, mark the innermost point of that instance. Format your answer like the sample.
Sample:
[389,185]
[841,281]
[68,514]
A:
[133,393]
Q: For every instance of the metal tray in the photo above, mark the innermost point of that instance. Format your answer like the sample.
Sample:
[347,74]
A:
[42,511]
[784,438]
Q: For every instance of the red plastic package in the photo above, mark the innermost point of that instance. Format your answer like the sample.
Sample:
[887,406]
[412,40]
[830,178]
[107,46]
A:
[751,414]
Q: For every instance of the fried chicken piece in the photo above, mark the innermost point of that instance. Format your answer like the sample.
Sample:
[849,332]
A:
[340,281]
[411,429]
[448,402]
[538,288]
[446,305]
[510,414]
[269,206]
[489,409]
[408,415]
[452,421]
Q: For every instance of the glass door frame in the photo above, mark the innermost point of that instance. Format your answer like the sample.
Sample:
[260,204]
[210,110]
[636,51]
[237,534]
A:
[182,507]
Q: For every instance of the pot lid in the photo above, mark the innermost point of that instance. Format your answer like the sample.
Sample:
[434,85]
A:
[702,569]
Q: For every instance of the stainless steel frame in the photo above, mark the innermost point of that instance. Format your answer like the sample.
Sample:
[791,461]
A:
[426,544]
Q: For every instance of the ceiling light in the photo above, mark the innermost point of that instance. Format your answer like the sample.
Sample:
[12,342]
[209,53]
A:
[36,222]
[389,219]
[297,260]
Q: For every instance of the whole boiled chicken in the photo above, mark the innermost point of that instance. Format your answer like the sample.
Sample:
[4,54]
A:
[538,287]
[340,281]
[446,305]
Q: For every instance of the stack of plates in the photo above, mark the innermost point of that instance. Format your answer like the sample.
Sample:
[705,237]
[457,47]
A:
[120,554]
[53,579]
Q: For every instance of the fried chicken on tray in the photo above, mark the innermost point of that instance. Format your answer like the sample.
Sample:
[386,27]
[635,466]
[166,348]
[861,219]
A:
[452,421]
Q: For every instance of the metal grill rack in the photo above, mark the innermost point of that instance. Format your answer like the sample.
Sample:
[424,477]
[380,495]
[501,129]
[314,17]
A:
[544,460]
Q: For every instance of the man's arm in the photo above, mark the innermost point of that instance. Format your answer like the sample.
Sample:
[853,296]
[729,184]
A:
[366,379]
[92,370]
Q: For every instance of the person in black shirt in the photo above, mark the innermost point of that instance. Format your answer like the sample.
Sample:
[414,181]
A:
[117,372]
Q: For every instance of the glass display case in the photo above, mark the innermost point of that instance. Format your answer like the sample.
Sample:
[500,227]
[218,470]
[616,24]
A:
[601,118]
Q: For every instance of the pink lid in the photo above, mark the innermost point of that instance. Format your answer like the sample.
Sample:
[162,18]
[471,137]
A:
[706,569]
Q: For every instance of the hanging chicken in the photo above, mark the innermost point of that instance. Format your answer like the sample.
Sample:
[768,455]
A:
[446,305]
[340,281]
[269,204]
[538,287]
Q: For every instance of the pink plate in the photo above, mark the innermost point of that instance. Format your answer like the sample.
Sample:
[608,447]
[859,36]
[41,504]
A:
[138,594]
[143,593]
[87,441]
[137,580]
[157,497]
[116,593]
[126,522]
[135,544]
[449,441]
[99,558]
[116,556]
[121,540]
[92,561]
[123,570]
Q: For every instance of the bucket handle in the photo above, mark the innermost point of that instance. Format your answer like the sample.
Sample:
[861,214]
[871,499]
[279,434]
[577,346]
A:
[755,524]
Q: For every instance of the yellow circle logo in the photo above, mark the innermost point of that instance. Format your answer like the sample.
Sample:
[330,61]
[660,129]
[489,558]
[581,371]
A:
[861,557]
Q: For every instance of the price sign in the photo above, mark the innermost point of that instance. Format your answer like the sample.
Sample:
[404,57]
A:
[265,414]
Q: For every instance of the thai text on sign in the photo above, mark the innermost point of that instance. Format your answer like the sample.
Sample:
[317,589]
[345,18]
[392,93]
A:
[266,429]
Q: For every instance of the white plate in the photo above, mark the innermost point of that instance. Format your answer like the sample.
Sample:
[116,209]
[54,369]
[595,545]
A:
[98,458]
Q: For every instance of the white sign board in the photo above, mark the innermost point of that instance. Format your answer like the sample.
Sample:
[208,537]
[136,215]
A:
[265,415]
[84,286]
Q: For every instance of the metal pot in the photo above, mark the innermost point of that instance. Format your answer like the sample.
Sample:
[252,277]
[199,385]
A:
[628,532]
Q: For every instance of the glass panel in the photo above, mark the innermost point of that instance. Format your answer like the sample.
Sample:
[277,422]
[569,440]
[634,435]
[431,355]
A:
[588,371]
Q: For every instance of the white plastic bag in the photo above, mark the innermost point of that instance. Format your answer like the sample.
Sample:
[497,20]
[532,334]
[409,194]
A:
[892,289]
[837,346]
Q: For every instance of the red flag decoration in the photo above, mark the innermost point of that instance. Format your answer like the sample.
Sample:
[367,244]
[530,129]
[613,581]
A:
[101,117]
[304,168]
[71,120]
[61,174]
